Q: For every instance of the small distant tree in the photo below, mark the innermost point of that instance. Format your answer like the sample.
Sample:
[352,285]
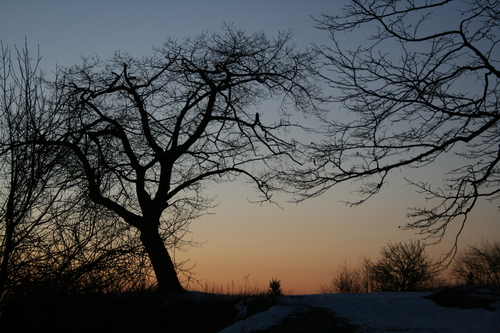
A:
[367,284]
[403,267]
[479,264]
[345,280]
[275,288]
[350,280]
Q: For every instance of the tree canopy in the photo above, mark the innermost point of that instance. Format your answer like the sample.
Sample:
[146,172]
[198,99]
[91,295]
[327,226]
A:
[419,88]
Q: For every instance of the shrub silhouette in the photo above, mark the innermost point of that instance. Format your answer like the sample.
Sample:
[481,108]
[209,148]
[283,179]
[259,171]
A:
[349,279]
[275,288]
[403,267]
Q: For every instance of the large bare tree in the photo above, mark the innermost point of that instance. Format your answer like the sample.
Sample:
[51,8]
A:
[146,135]
[423,85]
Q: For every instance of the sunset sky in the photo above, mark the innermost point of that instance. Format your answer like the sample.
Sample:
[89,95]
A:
[244,242]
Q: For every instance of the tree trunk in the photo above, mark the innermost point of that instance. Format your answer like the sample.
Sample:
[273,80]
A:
[164,268]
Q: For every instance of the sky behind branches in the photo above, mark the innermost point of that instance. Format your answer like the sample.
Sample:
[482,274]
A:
[299,244]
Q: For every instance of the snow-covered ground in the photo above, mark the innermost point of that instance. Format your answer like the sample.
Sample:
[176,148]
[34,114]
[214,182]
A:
[381,312]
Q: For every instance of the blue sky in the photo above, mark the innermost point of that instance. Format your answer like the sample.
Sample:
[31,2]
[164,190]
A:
[67,29]
[300,244]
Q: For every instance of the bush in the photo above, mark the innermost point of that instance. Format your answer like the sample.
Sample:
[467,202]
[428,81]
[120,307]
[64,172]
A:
[345,280]
[403,267]
[350,280]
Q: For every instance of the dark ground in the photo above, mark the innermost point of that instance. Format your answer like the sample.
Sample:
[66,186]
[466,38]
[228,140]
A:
[116,313]
[467,297]
[148,312]
[194,312]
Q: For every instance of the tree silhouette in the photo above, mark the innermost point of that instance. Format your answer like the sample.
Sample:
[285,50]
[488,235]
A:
[403,267]
[479,264]
[144,136]
[28,191]
[347,279]
[419,89]
[52,238]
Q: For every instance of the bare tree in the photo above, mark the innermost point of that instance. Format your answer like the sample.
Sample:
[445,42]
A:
[346,279]
[28,191]
[479,264]
[146,135]
[52,237]
[366,281]
[419,89]
[403,267]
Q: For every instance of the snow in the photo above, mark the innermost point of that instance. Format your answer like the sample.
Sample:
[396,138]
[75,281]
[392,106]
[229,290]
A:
[380,312]
[261,320]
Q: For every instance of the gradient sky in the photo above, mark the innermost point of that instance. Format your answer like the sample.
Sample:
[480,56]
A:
[299,244]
